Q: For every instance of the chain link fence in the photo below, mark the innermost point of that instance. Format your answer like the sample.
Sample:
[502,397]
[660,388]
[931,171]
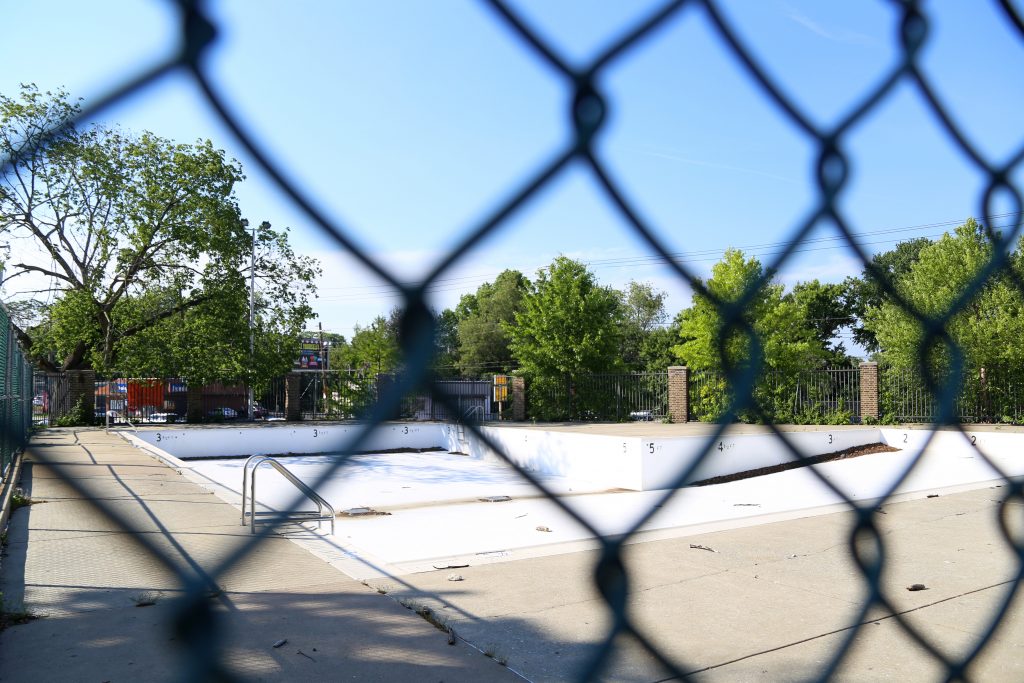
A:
[16,397]
[588,111]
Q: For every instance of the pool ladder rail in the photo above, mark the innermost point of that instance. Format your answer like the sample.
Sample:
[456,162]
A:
[473,414]
[324,511]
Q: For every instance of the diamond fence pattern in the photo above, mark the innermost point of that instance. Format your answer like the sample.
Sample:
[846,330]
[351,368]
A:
[15,395]
[588,111]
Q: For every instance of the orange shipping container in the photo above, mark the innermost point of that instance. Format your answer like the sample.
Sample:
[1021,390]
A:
[145,393]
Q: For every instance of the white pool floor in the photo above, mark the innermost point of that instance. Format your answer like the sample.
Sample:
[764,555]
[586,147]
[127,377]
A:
[436,518]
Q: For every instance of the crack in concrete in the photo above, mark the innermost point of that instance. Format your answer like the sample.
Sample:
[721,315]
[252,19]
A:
[839,630]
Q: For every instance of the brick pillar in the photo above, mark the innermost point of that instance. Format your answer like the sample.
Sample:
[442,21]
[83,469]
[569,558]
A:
[868,391]
[194,402]
[82,386]
[517,398]
[679,393]
[292,396]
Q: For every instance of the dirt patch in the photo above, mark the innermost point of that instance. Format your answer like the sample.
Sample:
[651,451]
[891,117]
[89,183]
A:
[845,454]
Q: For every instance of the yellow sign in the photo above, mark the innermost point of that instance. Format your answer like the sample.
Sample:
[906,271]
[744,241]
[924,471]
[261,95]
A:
[500,388]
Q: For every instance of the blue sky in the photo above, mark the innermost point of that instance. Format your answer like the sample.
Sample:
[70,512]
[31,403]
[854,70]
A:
[409,121]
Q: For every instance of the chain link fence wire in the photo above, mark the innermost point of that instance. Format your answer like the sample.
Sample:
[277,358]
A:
[16,395]
[588,109]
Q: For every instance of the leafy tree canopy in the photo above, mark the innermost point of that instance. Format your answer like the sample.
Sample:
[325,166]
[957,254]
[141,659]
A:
[483,324]
[141,246]
[568,323]
[643,314]
[788,341]
[867,291]
[826,309]
[988,329]
[373,349]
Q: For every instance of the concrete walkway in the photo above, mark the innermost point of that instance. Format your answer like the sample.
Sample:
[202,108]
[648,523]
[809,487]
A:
[88,580]
[771,602]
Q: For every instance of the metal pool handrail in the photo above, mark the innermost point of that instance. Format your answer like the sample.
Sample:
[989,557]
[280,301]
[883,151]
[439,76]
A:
[303,515]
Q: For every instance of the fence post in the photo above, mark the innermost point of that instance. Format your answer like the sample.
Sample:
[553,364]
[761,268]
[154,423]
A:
[293,397]
[868,391]
[679,393]
[193,402]
[517,398]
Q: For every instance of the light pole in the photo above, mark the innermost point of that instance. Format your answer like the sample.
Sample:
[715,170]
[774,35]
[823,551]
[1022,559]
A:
[252,312]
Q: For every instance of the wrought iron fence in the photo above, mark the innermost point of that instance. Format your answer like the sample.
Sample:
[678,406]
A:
[615,397]
[822,396]
[350,394]
[588,110]
[982,395]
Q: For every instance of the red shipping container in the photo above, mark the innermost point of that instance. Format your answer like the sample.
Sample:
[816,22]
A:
[145,395]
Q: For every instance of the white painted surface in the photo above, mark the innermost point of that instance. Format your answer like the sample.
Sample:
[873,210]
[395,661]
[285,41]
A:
[436,518]
[277,438]
[663,460]
[639,463]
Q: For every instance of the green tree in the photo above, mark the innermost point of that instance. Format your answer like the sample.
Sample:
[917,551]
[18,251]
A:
[484,321]
[569,325]
[788,343]
[373,350]
[643,313]
[988,329]
[447,354]
[143,248]
[866,292]
[826,310]
[657,351]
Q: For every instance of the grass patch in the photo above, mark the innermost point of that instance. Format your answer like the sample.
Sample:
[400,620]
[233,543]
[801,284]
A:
[20,499]
[11,616]
[497,655]
[147,598]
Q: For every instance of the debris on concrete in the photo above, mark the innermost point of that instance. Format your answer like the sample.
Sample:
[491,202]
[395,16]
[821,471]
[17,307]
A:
[544,528]
[495,499]
[362,512]
[933,495]
[917,587]
[698,546]
[455,577]
[281,642]
[450,566]
[300,652]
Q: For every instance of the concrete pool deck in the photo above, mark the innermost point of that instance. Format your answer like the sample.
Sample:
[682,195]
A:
[67,563]
[768,604]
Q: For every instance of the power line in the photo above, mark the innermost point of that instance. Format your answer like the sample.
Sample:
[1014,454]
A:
[446,285]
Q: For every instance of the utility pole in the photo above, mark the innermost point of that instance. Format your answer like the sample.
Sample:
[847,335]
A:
[252,314]
[323,377]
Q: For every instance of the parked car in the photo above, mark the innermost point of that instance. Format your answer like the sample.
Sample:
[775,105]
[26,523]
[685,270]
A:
[222,413]
[163,417]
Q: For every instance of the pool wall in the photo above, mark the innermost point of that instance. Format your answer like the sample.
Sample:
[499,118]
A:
[277,439]
[637,462]
[646,463]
